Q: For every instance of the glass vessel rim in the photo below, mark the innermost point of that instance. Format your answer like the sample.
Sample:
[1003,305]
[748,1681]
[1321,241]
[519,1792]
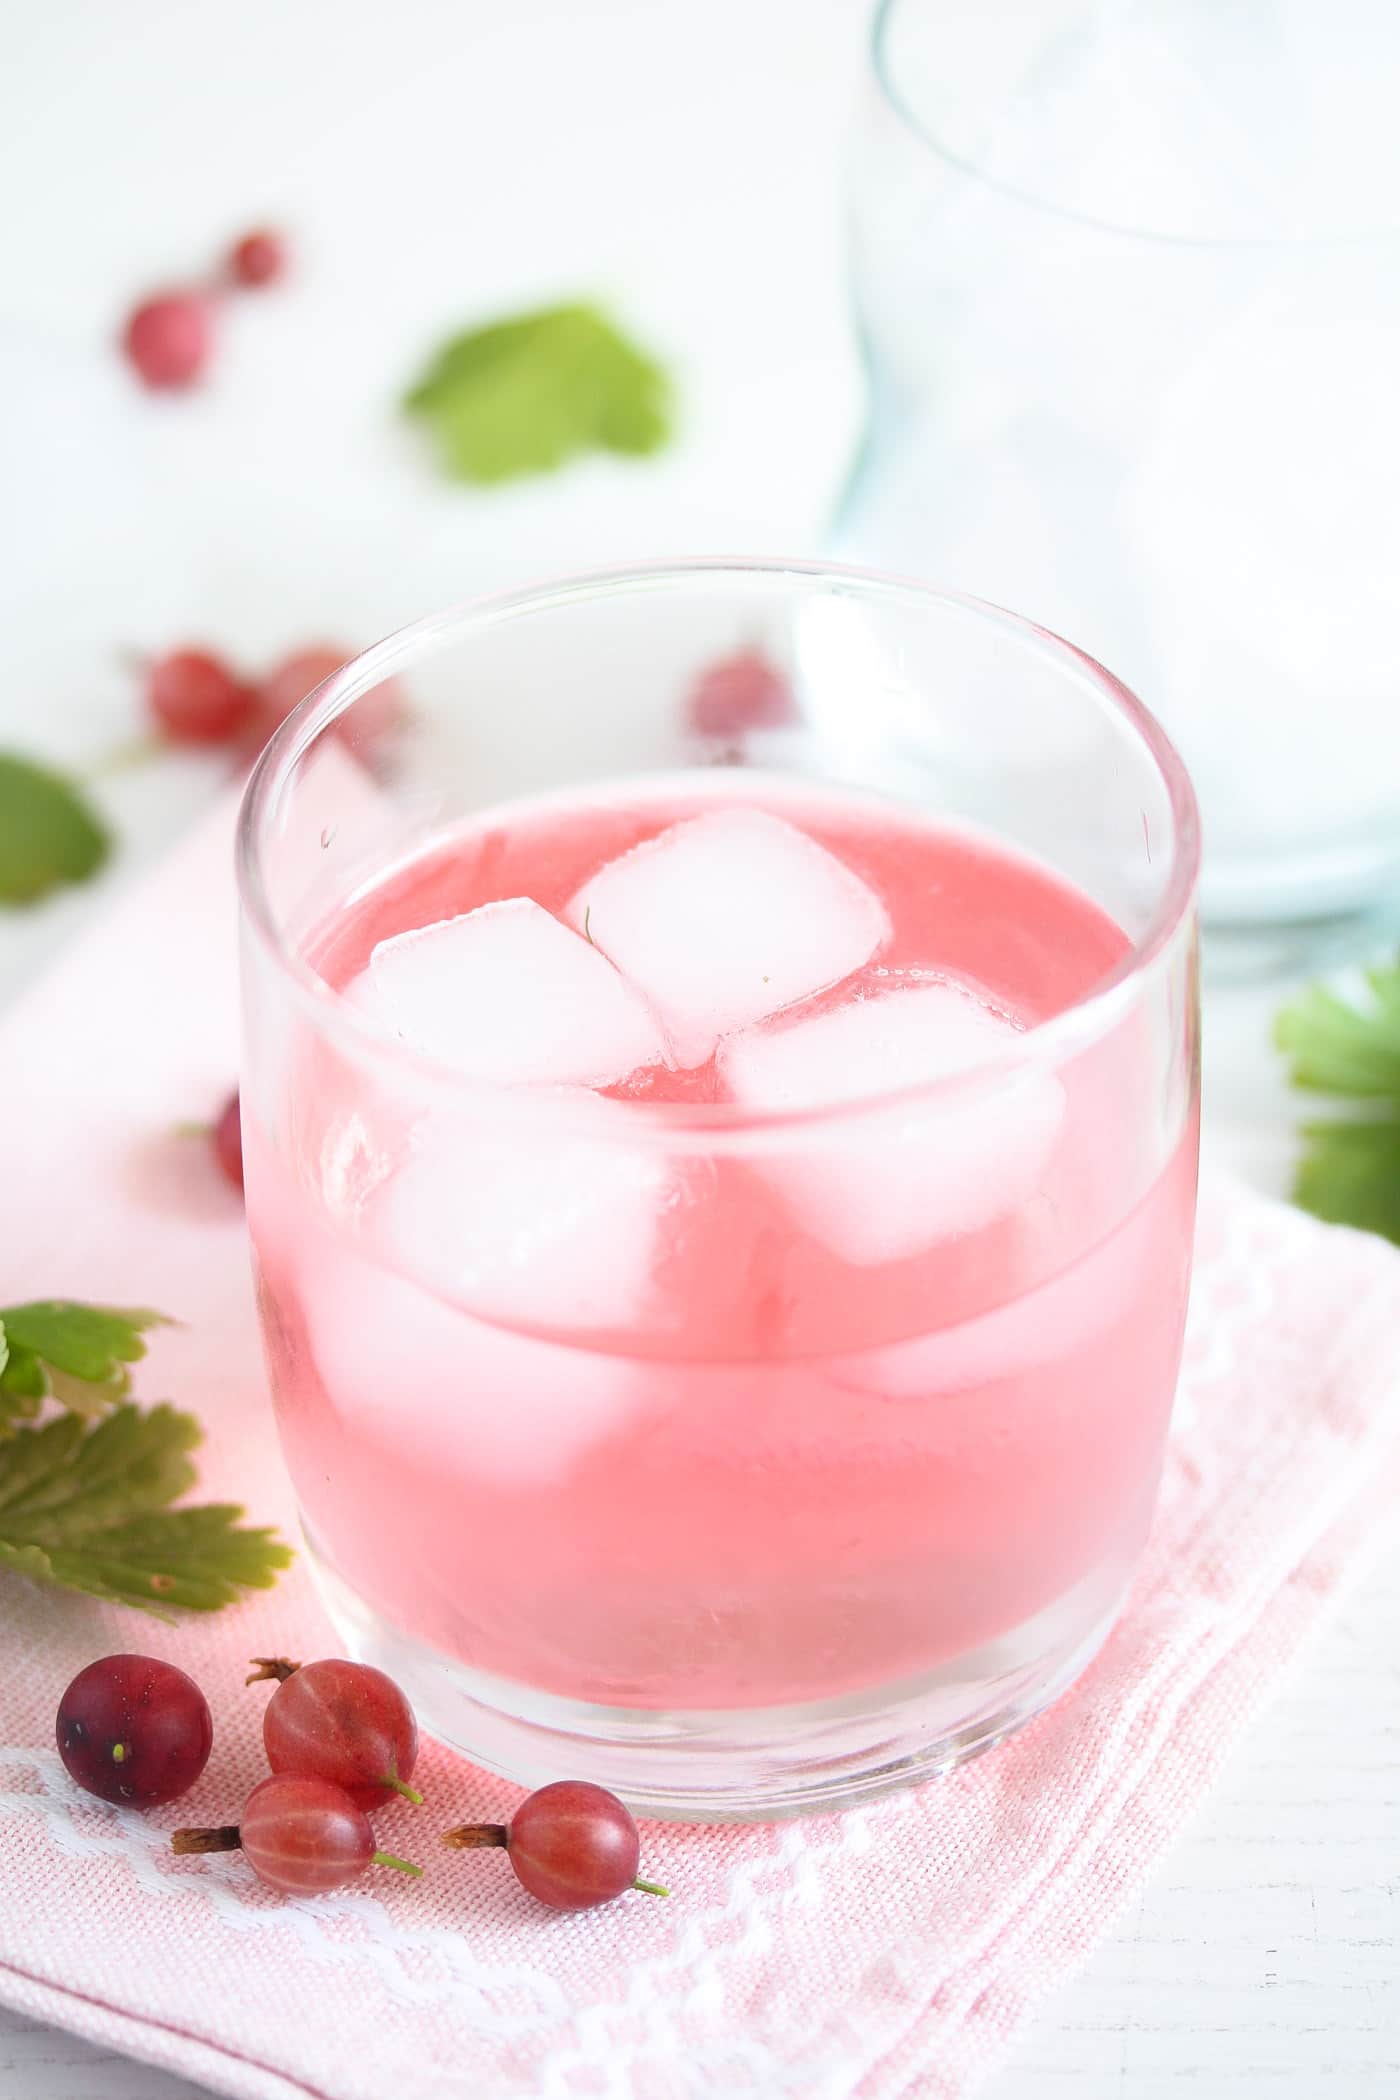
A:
[1047,1043]
[884,72]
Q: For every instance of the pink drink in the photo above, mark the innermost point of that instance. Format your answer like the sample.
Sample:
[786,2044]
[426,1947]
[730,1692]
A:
[737,1420]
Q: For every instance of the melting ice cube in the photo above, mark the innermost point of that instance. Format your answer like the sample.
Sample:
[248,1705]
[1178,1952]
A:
[889,1183]
[726,918]
[435,1385]
[1046,1326]
[509,996]
[551,1219]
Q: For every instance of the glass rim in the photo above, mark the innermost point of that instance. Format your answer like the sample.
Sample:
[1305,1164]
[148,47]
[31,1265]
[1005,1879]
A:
[1044,1042]
[883,72]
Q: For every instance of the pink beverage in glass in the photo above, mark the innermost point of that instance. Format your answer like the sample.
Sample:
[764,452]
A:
[722,1176]
[700,1358]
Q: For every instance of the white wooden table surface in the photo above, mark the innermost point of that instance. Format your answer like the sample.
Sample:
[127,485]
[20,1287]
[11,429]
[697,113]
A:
[439,161]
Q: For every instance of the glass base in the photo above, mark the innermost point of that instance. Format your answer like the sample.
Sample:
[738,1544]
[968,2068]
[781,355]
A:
[752,1764]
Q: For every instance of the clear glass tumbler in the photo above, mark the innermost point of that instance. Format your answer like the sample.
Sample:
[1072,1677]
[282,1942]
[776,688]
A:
[1128,280]
[745,1458]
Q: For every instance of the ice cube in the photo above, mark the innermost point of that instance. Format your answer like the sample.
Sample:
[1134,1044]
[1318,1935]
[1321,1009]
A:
[363,993]
[726,918]
[891,1182]
[552,1219]
[1045,1326]
[508,995]
[443,1389]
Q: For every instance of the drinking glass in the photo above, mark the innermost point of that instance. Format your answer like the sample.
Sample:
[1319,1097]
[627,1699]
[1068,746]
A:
[734,1521]
[1127,275]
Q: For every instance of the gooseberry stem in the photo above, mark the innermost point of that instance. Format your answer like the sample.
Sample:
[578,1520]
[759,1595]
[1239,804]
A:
[468,1836]
[266,1667]
[224,1839]
[122,758]
[401,1786]
[391,1859]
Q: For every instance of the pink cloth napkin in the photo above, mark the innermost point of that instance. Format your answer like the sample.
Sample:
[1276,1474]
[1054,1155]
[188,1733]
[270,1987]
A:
[888,1952]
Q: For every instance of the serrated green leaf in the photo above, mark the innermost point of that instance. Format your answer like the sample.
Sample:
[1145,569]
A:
[132,1461]
[79,1353]
[49,834]
[179,1560]
[15,1405]
[1335,1047]
[24,1376]
[87,1508]
[523,396]
[88,1397]
[87,1341]
[16,1408]
[1349,1172]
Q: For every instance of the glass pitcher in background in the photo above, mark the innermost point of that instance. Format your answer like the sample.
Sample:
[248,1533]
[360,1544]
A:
[1128,283]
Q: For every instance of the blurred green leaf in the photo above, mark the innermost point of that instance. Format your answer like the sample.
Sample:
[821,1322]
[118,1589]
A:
[523,396]
[1349,1172]
[49,834]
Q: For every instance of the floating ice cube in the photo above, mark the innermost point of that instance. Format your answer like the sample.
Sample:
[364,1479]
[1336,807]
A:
[726,918]
[922,1029]
[453,1392]
[509,996]
[363,993]
[552,1219]
[886,1184]
[1047,1325]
